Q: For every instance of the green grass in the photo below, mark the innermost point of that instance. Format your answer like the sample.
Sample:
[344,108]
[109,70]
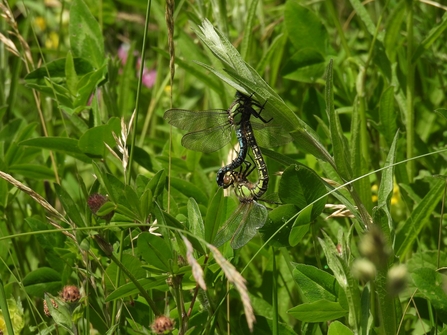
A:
[354,245]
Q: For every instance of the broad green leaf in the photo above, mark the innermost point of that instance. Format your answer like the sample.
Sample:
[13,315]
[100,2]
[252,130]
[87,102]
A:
[264,326]
[70,74]
[338,263]
[341,151]
[301,186]
[394,29]
[305,29]
[42,280]
[246,41]
[86,39]
[277,218]
[315,284]
[62,314]
[386,189]
[442,112]
[318,311]
[155,251]
[157,183]
[64,145]
[388,115]
[427,259]
[55,70]
[338,328]
[189,190]
[33,171]
[366,19]
[306,66]
[69,205]
[433,35]
[129,289]
[87,84]
[309,143]
[300,226]
[431,285]
[276,47]
[92,141]
[419,217]
[132,263]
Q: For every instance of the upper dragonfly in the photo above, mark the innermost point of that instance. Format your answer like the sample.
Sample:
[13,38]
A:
[210,130]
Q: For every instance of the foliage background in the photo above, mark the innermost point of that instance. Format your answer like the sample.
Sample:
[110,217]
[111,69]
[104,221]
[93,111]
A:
[387,77]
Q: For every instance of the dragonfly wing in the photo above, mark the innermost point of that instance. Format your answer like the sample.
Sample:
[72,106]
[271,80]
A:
[255,216]
[270,135]
[208,140]
[230,226]
[196,120]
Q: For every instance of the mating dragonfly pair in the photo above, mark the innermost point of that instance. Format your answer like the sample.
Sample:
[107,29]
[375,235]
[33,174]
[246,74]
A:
[208,131]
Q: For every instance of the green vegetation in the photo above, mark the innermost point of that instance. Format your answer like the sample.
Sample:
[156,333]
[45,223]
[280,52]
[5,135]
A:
[97,192]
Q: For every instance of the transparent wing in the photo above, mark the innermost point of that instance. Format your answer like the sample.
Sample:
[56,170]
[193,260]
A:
[196,120]
[231,225]
[208,140]
[254,218]
[268,135]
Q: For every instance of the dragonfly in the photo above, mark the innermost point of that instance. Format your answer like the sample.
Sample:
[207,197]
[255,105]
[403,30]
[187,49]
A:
[210,130]
[250,215]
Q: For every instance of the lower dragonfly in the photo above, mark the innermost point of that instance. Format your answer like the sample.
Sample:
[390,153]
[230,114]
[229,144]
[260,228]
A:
[250,215]
[210,130]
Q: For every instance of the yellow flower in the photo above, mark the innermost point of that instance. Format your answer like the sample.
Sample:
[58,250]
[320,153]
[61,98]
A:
[52,41]
[40,23]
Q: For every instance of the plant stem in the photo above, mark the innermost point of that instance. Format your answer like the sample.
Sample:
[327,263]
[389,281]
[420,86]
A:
[410,90]
[275,294]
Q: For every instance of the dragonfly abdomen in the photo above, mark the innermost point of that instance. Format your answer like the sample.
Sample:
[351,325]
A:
[237,162]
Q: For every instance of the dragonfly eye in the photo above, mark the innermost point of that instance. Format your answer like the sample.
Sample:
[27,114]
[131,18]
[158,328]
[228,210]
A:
[228,180]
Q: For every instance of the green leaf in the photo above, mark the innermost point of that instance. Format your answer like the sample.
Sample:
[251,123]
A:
[69,206]
[306,66]
[388,115]
[319,311]
[315,284]
[338,263]
[246,41]
[86,39]
[155,251]
[277,218]
[340,148]
[87,85]
[265,326]
[301,186]
[434,33]
[305,29]
[64,145]
[442,112]
[61,315]
[129,289]
[419,217]
[132,263]
[157,183]
[56,71]
[42,280]
[430,284]
[33,171]
[189,190]
[70,74]
[394,29]
[92,141]
[338,328]
[361,11]
[300,226]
